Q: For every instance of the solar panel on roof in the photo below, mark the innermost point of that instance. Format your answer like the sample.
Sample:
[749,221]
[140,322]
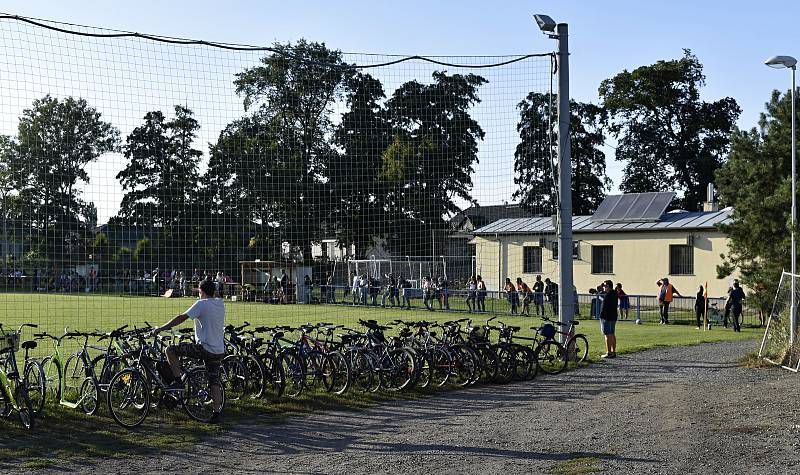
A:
[633,207]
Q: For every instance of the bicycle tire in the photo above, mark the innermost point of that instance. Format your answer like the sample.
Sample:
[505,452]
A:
[442,366]
[24,405]
[73,377]
[342,374]
[578,348]
[294,370]
[425,371]
[128,389]
[89,396]
[197,399]
[361,369]
[52,376]
[397,369]
[234,377]
[505,364]
[465,365]
[525,366]
[274,377]
[551,357]
[256,376]
[35,381]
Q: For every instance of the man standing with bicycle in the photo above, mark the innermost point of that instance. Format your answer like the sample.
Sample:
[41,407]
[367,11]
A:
[208,314]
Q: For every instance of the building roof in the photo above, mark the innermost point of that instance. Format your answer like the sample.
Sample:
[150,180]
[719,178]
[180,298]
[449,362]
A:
[675,221]
[479,216]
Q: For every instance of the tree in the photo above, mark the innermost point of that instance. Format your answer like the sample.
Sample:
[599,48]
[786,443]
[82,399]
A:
[161,177]
[756,182]
[56,140]
[295,89]
[668,138]
[433,155]
[536,157]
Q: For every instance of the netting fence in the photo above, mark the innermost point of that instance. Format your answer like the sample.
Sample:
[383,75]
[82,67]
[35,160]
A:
[776,345]
[133,167]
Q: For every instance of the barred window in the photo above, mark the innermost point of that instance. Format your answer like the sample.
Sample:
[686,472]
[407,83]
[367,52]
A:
[681,259]
[531,259]
[576,250]
[602,259]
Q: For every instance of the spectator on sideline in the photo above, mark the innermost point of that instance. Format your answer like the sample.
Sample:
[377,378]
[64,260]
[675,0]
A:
[624,302]
[666,292]
[737,295]
[551,293]
[538,295]
[444,293]
[575,301]
[427,292]
[404,287]
[472,289]
[511,295]
[700,306]
[608,319]
[284,286]
[208,314]
[331,288]
[525,294]
[481,294]
[594,309]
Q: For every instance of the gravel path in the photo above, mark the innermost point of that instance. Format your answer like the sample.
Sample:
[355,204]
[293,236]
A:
[684,409]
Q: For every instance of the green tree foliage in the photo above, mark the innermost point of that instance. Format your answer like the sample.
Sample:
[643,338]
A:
[534,170]
[667,136]
[756,181]
[295,90]
[56,140]
[434,121]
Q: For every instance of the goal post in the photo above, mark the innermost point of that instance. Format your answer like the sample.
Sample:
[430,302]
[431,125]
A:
[776,346]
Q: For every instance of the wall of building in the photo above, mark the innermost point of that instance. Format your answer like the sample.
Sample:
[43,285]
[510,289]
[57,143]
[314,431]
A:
[639,260]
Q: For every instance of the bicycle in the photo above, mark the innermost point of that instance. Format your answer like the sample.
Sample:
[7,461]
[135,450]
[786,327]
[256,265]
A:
[129,392]
[576,344]
[13,388]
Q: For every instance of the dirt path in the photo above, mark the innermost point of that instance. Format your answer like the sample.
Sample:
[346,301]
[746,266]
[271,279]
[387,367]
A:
[659,411]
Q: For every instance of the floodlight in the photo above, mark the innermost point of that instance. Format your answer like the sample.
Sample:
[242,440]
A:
[780,62]
[546,24]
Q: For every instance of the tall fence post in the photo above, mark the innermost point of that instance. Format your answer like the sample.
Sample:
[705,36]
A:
[638,307]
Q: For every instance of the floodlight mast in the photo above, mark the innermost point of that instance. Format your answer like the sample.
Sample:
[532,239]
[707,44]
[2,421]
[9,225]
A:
[566,302]
[781,62]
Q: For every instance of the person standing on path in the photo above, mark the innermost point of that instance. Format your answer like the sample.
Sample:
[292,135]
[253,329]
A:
[666,292]
[737,295]
[608,319]
[700,306]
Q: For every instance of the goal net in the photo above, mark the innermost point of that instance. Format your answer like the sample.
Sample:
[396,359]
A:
[133,166]
[776,345]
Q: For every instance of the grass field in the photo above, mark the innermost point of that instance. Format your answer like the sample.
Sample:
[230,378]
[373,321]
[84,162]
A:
[64,433]
[52,312]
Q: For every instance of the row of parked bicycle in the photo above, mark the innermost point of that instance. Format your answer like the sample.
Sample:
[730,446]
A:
[129,373]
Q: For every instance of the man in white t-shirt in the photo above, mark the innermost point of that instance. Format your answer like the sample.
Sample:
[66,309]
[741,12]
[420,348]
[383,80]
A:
[208,314]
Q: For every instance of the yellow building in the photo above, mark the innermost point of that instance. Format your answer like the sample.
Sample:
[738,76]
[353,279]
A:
[636,251]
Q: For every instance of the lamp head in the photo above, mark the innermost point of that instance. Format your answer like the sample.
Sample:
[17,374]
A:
[546,24]
[780,62]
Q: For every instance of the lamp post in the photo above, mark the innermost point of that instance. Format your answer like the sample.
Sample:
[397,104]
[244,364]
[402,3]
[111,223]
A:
[560,32]
[781,62]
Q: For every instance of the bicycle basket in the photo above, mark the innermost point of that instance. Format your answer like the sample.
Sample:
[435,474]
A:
[9,342]
[547,330]
[479,333]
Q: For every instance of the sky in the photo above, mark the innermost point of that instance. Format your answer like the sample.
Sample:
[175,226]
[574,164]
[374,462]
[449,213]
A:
[731,38]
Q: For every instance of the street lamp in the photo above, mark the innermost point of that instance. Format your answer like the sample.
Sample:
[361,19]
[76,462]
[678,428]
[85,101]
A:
[781,62]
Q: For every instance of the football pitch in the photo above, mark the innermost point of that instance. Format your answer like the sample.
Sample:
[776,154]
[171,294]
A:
[91,312]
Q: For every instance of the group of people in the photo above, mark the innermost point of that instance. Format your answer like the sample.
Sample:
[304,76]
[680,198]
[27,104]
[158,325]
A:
[598,295]
[364,290]
[541,291]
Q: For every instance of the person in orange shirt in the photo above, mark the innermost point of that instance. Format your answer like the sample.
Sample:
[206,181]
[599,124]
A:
[666,292]
[526,295]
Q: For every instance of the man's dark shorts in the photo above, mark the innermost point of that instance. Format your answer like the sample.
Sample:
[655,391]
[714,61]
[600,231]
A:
[196,351]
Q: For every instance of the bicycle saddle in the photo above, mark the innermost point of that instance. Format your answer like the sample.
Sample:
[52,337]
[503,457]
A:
[28,345]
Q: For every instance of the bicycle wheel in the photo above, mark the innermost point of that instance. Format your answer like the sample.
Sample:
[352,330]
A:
[397,369]
[524,363]
[234,377]
[198,401]
[442,366]
[505,364]
[105,371]
[89,395]
[425,367]
[256,376]
[52,377]
[24,405]
[489,363]
[128,398]
[341,373]
[319,374]
[551,357]
[35,381]
[294,370]
[578,349]
[274,378]
[362,371]
[465,365]
[73,375]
